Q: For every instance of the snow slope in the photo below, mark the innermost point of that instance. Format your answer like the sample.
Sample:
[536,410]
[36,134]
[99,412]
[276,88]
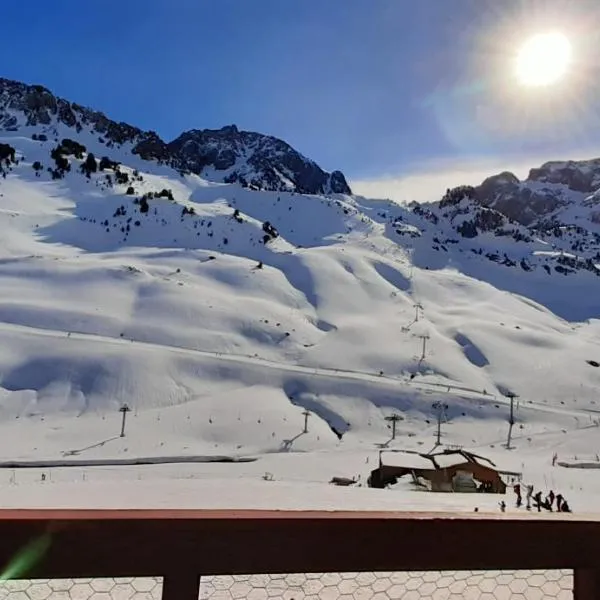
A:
[219,339]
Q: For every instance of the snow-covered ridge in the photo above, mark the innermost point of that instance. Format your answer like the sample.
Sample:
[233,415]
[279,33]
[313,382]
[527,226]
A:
[557,192]
[548,215]
[227,155]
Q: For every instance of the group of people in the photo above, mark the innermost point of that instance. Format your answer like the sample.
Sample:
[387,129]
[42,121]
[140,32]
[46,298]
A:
[551,502]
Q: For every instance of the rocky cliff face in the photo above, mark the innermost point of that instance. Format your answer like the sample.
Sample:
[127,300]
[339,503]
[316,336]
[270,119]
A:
[253,159]
[227,154]
[579,176]
[551,192]
[555,213]
[519,202]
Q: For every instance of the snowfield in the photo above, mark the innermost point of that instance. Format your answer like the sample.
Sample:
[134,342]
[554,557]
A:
[219,339]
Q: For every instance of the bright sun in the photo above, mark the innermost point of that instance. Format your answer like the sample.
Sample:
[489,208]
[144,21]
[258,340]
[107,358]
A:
[543,59]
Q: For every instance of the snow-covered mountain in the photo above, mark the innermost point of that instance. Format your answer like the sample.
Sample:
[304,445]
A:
[130,271]
[554,195]
[548,224]
[254,160]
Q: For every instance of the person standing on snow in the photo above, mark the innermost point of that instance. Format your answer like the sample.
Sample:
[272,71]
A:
[529,496]
[538,501]
[517,489]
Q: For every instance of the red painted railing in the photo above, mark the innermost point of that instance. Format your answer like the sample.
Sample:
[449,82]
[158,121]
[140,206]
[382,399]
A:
[182,545]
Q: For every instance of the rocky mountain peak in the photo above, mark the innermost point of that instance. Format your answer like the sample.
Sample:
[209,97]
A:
[227,154]
[24,105]
[255,160]
[548,191]
[579,176]
[502,179]
[229,129]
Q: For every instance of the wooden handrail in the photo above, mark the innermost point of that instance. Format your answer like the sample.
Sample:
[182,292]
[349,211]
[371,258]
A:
[182,545]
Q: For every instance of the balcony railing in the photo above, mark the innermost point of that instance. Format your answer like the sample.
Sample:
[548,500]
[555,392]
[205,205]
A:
[183,545]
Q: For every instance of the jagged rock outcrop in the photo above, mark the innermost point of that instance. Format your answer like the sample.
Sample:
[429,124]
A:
[506,194]
[579,176]
[31,105]
[254,159]
[554,214]
[544,194]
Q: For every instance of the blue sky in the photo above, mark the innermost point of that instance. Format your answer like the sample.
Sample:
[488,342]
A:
[381,89]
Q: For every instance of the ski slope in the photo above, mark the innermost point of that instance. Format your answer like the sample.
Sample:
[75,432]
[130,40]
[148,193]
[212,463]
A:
[218,341]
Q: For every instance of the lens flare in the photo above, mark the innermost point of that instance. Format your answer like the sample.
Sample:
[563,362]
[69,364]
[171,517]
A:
[26,558]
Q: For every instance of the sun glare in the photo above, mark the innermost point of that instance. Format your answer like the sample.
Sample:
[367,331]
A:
[543,59]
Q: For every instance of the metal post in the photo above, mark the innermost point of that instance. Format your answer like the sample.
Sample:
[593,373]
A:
[511,419]
[124,409]
[306,414]
[424,337]
[440,406]
[418,307]
[394,419]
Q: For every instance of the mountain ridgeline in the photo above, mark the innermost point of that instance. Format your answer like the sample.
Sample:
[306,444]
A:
[523,236]
[547,198]
[555,212]
[254,160]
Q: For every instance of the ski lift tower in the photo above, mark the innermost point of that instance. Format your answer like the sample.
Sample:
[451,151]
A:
[511,418]
[124,410]
[393,419]
[441,407]
[306,414]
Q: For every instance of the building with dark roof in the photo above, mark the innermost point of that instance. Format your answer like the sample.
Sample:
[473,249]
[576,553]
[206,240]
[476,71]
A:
[443,471]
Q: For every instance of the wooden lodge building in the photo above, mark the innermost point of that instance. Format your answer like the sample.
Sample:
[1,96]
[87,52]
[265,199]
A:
[443,471]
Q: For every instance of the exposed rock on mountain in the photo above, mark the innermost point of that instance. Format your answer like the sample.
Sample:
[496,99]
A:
[555,212]
[251,159]
[579,176]
[548,191]
[505,193]
[31,105]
